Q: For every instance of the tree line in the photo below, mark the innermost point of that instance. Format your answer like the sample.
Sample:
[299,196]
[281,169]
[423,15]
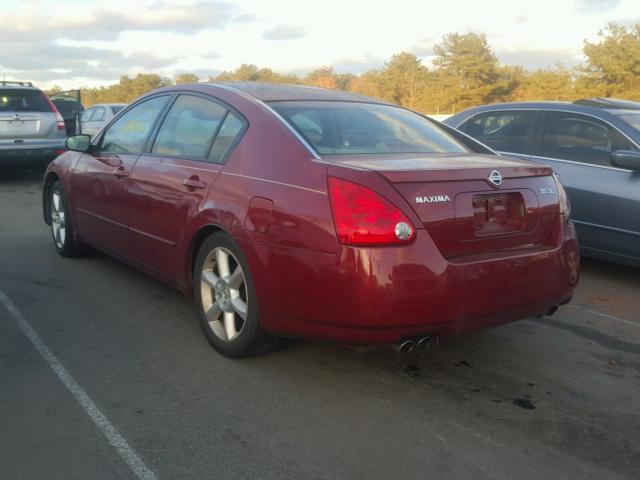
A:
[464,73]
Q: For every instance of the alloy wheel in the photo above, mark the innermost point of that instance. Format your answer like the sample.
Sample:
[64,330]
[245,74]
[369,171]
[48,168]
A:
[58,219]
[224,294]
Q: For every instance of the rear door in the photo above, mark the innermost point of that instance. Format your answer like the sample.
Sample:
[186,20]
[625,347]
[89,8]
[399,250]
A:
[604,198]
[101,177]
[172,180]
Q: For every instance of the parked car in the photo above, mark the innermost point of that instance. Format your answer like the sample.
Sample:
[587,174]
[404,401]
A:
[594,147]
[95,118]
[32,131]
[299,211]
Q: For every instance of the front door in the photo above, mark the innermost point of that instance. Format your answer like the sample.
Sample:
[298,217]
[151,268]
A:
[101,177]
[604,198]
[171,181]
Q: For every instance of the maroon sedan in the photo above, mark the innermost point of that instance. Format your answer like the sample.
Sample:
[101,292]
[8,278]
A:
[298,211]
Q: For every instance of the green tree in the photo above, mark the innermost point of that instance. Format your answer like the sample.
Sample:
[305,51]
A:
[470,71]
[187,78]
[322,77]
[403,80]
[544,84]
[613,63]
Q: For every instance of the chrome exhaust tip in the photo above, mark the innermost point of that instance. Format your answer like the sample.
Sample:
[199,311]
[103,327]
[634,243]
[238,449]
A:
[423,343]
[404,346]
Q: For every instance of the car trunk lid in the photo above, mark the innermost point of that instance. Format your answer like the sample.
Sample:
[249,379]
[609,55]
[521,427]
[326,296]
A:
[465,212]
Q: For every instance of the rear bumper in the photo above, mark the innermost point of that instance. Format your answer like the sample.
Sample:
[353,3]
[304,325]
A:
[381,295]
[29,155]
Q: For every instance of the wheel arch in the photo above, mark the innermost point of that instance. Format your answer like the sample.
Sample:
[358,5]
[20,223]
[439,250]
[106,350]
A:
[196,241]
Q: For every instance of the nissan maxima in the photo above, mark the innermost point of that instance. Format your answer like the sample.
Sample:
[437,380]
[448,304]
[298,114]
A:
[304,212]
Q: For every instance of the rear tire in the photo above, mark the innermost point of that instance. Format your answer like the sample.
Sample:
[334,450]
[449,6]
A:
[61,225]
[225,297]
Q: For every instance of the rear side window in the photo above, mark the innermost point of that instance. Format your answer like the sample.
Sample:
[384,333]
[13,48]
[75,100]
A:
[189,128]
[116,108]
[98,115]
[17,100]
[129,133]
[505,131]
[86,116]
[229,133]
[335,128]
[581,138]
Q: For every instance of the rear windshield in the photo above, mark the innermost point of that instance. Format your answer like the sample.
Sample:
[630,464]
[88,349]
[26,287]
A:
[16,100]
[338,128]
[632,119]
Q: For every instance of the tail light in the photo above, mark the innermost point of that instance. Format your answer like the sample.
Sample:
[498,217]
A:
[363,217]
[54,109]
[563,200]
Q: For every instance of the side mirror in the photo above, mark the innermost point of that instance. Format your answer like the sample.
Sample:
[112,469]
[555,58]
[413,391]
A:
[78,143]
[626,159]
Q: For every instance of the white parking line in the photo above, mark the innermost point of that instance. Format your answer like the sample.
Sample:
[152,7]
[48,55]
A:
[604,315]
[114,437]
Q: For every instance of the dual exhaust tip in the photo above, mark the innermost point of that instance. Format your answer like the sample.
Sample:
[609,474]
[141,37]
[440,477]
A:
[408,345]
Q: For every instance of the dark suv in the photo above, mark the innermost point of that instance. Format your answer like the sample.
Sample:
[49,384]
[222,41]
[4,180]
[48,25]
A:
[594,147]
[32,131]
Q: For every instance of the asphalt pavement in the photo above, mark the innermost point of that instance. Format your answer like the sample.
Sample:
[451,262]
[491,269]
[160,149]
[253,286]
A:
[118,372]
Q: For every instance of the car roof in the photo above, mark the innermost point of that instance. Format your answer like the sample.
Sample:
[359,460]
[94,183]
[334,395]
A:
[109,105]
[18,85]
[273,92]
[607,114]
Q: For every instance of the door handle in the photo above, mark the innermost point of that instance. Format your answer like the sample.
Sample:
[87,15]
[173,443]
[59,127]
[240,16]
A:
[121,172]
[193,182]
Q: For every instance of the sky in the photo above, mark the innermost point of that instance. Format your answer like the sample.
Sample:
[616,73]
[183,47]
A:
[73,43]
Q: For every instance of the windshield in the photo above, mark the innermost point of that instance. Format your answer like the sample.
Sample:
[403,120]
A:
[16,100]
[338,128]
[632,119]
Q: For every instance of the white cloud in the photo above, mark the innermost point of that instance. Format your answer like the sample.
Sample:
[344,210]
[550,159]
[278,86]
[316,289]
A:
[284,32]
[93,42]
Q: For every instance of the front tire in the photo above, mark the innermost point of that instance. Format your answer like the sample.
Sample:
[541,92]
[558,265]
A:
[226,300]
[61,224]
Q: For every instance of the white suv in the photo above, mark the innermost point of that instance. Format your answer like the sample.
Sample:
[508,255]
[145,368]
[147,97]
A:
[32,131]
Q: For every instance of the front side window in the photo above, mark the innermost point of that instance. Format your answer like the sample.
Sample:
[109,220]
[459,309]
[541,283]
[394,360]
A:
[504,131]
[337,128]
[189,128]
[581,138]
[129,133]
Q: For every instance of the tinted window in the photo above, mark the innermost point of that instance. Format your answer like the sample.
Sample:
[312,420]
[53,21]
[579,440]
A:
[352,128]
[581,138]
[505,131]
[231,128]
[98,115]
[189,128]
[129,133]
[16,100]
